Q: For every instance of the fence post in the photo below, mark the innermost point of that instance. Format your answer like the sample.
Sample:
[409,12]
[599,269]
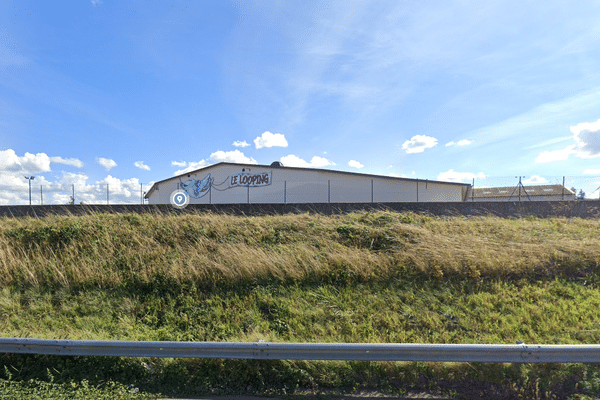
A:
[563,188]
[248,195]
[73,186]
[328,191]
[473,190]
[371,190]
[284,192]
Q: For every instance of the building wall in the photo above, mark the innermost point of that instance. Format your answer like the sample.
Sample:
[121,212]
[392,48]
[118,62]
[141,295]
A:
[290,185]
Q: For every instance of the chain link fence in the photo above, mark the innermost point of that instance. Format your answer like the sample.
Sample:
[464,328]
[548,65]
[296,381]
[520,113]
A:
[500,188]
[525,188]
[46,194]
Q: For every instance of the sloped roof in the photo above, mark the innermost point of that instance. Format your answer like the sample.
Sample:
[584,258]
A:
[513,191]
[147,195]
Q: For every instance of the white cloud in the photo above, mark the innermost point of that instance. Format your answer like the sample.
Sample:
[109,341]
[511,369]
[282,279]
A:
[463,142]
[418,144]
[192,166]
[555,155]
[268,139]
[394,175]
[67,161]
[96,2]
[534,180]
[453,176]
[587,136]
[592,172]
[295,161]
[117,187]
[587,144]
[141,165]
[28,164]
[14,189]
[234,156]
[106,163]
[239,143]
[70,178]
[355,164]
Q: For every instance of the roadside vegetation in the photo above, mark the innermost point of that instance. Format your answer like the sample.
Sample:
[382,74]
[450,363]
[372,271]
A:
[362,277]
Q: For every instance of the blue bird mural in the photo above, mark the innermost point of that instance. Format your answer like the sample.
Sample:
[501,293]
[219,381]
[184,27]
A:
[196,188]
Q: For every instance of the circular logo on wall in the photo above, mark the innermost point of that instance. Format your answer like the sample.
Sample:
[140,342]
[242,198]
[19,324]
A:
[180,199]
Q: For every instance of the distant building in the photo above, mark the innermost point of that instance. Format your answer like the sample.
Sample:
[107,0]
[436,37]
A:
[249,183]
[522,193]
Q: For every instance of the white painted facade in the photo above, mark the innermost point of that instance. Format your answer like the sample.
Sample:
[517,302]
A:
[246,183]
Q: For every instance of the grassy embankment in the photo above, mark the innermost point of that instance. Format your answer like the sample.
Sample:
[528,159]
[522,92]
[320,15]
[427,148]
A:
[362,277]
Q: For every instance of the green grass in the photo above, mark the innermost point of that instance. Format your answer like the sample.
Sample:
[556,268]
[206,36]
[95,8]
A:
[364,277]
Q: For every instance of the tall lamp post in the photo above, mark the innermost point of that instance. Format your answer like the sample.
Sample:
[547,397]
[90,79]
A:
[30,178]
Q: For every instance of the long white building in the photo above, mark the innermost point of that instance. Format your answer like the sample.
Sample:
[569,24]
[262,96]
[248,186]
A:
[249,183]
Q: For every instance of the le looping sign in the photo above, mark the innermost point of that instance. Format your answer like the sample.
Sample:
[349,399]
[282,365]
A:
[250,180]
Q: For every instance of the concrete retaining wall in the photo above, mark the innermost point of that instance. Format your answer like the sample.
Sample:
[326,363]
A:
[542,209]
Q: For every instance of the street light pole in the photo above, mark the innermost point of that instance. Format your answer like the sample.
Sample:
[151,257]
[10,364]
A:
[30,178]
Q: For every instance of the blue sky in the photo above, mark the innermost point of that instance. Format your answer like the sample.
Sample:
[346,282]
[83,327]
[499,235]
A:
[122,93]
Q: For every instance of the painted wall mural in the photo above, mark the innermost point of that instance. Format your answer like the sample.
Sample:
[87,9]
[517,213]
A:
[198,188]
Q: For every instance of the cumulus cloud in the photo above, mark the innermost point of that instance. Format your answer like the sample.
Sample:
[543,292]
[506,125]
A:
[295,161]
[106,163]
[453,176]
[14,189]
[587,144]
[234,156]
[28,164]
[355,164]
[192,166]
[587,137]
[141,165]
[268,139]
[592,172]
[67,161]
[239,143]
[555,155]
[418,144]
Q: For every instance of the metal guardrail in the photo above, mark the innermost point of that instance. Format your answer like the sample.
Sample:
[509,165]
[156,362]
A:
[520,353]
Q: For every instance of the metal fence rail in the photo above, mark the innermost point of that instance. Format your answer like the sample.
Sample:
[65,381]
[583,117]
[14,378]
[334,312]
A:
[520,353]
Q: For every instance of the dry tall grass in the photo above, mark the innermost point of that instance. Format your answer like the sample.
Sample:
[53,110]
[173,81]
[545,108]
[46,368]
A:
[107,250]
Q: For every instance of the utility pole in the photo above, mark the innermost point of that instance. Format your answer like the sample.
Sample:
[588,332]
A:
[30,178]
